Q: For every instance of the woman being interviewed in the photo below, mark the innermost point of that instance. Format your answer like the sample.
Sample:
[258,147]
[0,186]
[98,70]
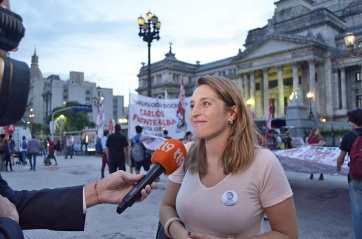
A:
[226,160]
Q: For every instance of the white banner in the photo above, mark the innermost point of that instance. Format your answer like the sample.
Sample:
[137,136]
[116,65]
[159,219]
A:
[155,115]
[152,142]
[311,159]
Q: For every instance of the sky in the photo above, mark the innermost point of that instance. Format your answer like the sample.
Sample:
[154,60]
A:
[100,38]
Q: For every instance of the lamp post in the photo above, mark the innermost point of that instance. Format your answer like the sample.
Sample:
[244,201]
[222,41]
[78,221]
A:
[350,41]
[310,96]
[149,35]
[31,117]
[249,103]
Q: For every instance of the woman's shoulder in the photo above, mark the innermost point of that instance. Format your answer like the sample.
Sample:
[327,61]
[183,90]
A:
[264,156]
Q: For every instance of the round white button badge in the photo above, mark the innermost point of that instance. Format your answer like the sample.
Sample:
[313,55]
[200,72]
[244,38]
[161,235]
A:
[229,198]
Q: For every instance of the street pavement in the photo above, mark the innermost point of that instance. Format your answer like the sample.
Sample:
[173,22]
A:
[322,206]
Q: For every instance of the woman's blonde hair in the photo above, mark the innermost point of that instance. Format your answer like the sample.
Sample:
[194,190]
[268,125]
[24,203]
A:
[240,147]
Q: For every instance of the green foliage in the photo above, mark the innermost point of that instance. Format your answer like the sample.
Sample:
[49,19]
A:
[328,132]
[71,121]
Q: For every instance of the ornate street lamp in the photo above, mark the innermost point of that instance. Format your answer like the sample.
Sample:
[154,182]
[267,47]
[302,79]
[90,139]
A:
[350,40]
[149,30]
[310,96]
[31,117]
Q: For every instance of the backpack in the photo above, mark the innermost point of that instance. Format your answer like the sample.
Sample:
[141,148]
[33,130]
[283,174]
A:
[99,148]
[355,157]
[138,151]
[24,144]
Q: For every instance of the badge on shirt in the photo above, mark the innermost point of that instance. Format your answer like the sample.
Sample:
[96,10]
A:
[229,198]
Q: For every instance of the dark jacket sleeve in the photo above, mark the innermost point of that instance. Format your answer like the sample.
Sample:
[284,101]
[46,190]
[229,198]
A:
[54,209]
[9,229]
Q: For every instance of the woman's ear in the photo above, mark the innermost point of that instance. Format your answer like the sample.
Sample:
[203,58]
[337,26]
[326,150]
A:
[233,112]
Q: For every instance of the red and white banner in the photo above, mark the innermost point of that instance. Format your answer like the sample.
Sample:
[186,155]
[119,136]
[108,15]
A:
[100,119]
[152,142]
[155,115]
[270,116]
[311,159]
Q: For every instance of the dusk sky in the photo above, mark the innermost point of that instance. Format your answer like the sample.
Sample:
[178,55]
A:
[100,38]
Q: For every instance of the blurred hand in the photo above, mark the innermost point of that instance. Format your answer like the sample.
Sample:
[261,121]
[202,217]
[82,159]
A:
[113,188]
[8,209]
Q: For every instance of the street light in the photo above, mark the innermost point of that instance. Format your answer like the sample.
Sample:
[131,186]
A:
[31,117]
[149,35]
[310,96]
[350,40]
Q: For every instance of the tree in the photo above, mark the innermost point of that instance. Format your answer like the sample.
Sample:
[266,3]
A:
[71,121]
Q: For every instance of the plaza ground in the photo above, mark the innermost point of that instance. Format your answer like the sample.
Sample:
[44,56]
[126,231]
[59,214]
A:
[323,207]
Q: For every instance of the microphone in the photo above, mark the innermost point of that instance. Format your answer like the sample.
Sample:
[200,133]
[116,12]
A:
[166,159]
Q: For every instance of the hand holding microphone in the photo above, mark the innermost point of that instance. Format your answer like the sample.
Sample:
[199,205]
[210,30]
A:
[166,159]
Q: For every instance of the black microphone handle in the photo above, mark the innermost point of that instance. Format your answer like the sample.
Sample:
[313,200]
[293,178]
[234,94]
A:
[135,193]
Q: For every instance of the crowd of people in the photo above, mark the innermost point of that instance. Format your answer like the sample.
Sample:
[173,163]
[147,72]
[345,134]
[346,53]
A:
[228,184]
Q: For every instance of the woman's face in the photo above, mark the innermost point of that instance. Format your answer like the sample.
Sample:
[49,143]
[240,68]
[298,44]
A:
[208,115]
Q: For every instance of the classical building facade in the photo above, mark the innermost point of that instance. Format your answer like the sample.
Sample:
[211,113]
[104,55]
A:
[301,49]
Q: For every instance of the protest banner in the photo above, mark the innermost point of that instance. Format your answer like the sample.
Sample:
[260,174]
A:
[155,115]
[311,159]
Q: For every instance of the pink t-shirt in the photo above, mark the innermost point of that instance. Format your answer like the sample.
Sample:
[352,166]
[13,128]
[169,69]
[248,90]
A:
[206,210]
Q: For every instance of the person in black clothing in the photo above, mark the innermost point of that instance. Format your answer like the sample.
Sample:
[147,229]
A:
[117,150]
[165,135]
[354,183]
[289,142]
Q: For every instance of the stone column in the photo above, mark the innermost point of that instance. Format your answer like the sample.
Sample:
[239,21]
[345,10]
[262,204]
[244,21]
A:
[265,92]
[280,92]
[252,89]
[335,90]
[246,91]
[312,83]
[343,88]
[295,76]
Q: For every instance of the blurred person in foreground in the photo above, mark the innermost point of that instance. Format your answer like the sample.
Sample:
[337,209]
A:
[226,160]
[354,183]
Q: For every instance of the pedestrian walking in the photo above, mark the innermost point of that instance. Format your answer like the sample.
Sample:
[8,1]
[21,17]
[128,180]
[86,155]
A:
[117,150]
[105,160]
[24,150]
[139,152]
[69,149]
[51,151]
[7,153]
[33,150]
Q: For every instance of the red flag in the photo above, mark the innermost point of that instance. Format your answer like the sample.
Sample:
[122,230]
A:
[111,127]
[182,104]
[270,115]
[9,129]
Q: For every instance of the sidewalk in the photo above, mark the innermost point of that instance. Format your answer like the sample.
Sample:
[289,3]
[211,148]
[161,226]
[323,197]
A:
[322,206]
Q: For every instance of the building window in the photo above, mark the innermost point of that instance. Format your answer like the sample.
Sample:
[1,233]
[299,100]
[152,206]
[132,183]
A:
[299,80]
[176,77]
[359,101]
[87,92]
[358,77]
